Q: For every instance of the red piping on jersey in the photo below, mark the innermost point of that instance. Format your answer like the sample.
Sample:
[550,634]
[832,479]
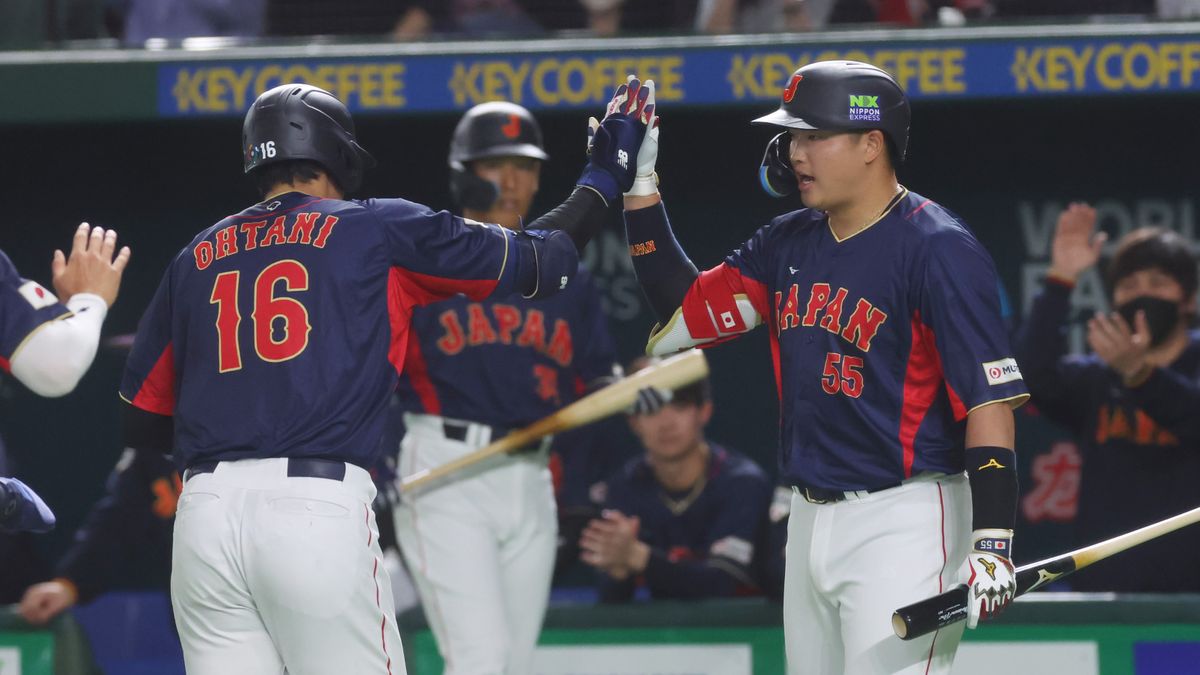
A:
[418,376]
[4,365]
[922,378]
[157,393]
[426,288]
[917,210]
[399,308]
[942,510]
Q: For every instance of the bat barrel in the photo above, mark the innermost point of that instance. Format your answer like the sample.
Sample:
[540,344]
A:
[920,618]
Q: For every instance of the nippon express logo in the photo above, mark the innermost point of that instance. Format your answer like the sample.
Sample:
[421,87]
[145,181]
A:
[864,108]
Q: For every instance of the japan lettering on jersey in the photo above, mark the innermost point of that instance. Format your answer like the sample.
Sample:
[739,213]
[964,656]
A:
[882,342]
[279,332]
[25,306]
[506,362]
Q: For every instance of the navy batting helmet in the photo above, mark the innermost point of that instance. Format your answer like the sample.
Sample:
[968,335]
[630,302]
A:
[844,96]
[495,129]
[300,121]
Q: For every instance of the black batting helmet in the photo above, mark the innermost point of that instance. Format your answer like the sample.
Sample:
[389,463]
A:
[300,121]
[844,96]
[495,129]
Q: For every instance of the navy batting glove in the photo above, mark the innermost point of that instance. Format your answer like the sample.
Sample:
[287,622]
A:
[21,510]
[613,143]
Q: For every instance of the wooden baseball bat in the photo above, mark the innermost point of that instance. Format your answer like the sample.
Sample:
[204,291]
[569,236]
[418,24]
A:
[942,610]
[672,373]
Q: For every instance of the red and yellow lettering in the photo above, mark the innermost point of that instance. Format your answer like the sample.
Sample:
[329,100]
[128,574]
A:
[267,308]
[864,324]
[508,319]
[1145,427]
[326,230]
[789,314]
[275,234]
[832,321]
[561,349]
[534,333]
[453,341]
[817,297]
[1119,425]
[224,296]
[226,241]
[480,327]
[251,232]
[303,227]
[204,254]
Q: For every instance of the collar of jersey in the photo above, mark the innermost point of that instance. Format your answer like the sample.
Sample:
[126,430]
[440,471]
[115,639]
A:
[899,197]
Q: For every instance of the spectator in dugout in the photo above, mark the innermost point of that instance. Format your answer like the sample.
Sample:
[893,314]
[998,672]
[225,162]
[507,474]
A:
[1132,403]
[684,519]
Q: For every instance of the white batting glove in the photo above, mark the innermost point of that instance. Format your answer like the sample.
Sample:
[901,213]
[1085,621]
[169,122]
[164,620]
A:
[992,581]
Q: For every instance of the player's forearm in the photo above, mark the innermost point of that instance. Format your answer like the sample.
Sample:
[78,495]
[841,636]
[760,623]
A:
[581,216]
[690,579]
[1171,400]
[991,467]
[663,270]
[54,358]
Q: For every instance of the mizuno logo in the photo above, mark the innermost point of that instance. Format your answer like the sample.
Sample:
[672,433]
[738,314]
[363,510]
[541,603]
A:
[791,269]
[991,464]
[989,567]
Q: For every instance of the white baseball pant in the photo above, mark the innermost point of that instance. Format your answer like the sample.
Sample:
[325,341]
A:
[271,572]
[480,548]
[851,563]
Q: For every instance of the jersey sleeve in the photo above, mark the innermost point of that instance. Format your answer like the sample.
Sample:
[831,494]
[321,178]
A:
[25,306]
[596,356]
[959,312]
[439,255]
[723,302]
[149,379]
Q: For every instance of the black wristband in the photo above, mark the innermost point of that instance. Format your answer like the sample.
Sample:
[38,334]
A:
[993,475]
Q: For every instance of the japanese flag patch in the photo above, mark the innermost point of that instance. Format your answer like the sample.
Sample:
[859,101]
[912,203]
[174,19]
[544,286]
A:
[1004,370]
[35,295]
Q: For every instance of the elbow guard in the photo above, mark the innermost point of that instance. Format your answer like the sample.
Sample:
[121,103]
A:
[549,260]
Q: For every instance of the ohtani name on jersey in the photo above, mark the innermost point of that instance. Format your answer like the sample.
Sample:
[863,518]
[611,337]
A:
[302,229]
[827,308]
[508,325]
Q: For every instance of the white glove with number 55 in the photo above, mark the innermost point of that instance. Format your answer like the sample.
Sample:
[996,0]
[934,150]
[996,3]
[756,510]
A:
[992,583]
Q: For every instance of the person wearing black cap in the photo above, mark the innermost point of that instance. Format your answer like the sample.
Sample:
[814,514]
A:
[895,378]
[482,549]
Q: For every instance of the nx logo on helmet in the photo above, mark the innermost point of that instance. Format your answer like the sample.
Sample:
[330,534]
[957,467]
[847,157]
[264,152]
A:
[513,128]
[789,92]
[864,108]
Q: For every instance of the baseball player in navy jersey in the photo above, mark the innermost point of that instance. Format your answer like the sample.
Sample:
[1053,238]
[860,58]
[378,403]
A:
[482,548]
[892,366]
[266,360]
[48,346]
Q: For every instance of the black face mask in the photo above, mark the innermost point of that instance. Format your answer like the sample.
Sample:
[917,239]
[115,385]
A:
[1161,316]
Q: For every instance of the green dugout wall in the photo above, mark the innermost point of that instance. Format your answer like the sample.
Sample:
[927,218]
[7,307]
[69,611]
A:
[1009,124]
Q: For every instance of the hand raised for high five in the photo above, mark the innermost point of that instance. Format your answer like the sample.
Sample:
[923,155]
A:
[615,143]
[1076,244]
[91,267]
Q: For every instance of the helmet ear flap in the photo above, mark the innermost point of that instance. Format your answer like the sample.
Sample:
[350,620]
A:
[470,191]
[775,173]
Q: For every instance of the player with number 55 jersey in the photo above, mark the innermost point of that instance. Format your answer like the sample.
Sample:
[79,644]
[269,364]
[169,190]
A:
[266,359]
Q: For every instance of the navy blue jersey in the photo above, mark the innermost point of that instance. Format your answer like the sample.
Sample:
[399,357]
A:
[702,542]
[1140,447]
[882,342]
[506,362]
[280,331]
[24,307]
